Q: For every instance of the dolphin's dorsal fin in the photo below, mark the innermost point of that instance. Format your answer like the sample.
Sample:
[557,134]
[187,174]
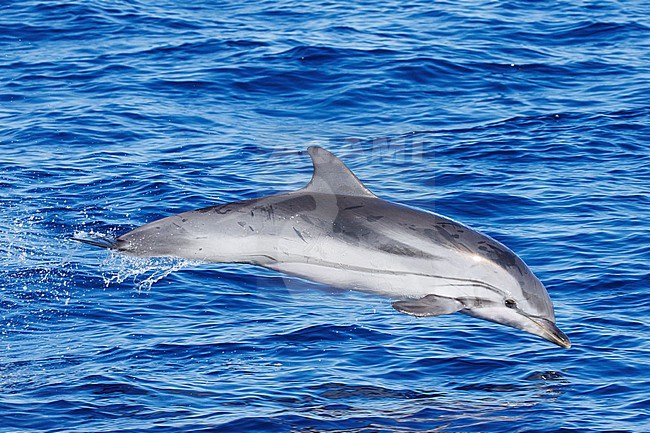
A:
[331,176]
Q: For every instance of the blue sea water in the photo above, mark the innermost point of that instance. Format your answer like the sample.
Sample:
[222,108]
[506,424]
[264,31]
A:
[526,120]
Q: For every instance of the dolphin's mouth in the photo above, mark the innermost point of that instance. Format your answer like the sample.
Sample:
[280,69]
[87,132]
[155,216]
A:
[549,331]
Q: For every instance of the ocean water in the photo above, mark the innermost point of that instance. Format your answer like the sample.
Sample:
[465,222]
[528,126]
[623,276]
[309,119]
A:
[526,120]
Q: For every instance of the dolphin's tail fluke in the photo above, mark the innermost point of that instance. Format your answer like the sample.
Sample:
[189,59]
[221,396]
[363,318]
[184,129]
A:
[97,241]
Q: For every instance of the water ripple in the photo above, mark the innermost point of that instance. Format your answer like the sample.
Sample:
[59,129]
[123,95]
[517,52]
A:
[524,120]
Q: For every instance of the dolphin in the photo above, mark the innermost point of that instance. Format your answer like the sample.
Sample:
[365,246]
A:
[336,232]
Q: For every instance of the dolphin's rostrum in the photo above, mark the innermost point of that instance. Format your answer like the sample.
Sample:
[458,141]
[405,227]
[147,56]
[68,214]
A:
[336,232]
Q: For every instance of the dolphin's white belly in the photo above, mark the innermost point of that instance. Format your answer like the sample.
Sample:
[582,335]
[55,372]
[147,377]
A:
[337,264]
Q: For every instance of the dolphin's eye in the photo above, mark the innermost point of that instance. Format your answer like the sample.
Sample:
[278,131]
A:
[511,303]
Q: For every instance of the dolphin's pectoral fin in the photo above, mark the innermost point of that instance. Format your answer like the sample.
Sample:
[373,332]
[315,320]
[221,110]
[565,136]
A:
[430,305]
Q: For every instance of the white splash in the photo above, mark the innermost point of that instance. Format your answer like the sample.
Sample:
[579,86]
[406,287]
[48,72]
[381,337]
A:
[117,268]
[144,272]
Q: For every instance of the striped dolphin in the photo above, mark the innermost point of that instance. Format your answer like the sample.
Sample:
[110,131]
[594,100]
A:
[336,232]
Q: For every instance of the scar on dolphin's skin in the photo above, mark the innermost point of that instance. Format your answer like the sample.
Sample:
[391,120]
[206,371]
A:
[335,231]
[299,234]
